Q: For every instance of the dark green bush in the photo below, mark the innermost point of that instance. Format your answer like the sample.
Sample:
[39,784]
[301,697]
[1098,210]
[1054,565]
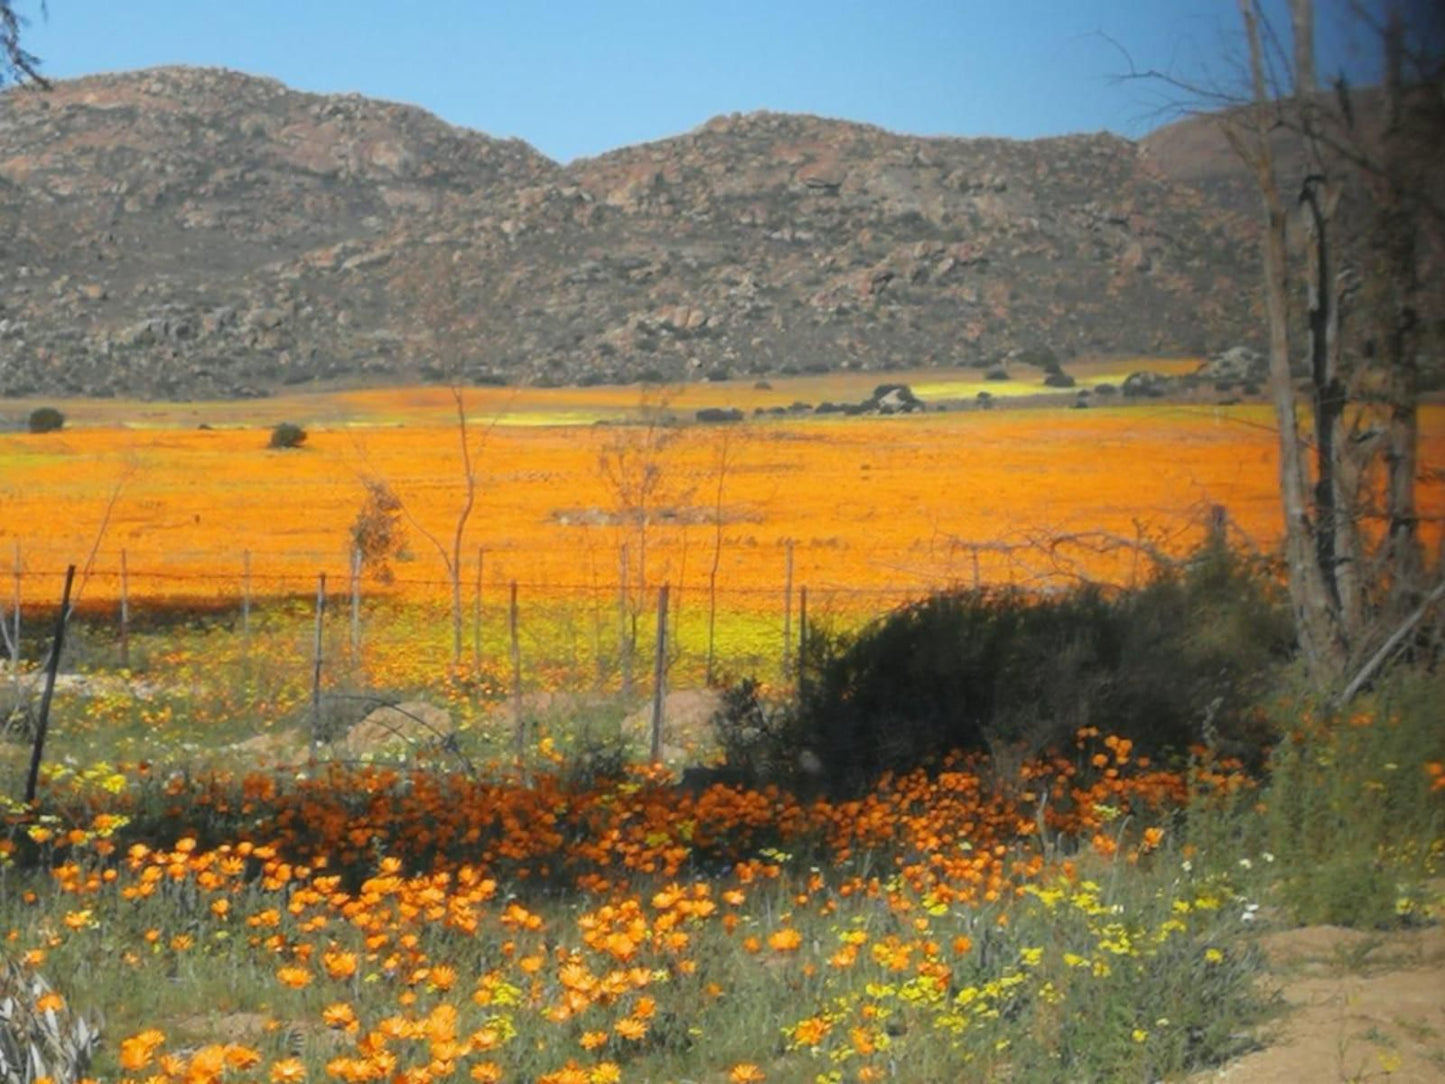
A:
[45,420]
[287,435]
[1175,663]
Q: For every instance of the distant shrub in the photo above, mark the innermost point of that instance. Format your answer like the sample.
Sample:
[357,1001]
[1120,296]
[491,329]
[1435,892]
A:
[1059,379]
[1040,357]
[287,435]
[45,420]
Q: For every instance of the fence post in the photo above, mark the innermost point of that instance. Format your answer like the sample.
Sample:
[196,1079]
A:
[477,619]
[124,613]
[52,665]
[803,641]
[316,672]
[517,719]
[788,614]
[624,643]
[246,603]
[355,605]
[15,629]
[659,674]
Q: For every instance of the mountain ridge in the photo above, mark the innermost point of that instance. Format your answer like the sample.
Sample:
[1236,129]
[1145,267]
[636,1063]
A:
[195,232]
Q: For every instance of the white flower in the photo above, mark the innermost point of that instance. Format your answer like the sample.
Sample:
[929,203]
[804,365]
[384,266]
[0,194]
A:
[1267,856]
[1245,863]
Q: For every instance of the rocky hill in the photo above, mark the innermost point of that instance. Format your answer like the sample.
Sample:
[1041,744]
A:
[189,232]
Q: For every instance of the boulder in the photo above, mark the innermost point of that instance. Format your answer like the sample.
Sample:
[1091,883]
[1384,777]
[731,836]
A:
[719,414]
[1237,365]
[412,724]
[1145,384]
[893,399]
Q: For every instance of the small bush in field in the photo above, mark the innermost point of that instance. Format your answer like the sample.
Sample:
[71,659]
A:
[287,435]
[45,420]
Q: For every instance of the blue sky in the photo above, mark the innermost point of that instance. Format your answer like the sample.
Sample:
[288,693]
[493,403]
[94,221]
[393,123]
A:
[576,79]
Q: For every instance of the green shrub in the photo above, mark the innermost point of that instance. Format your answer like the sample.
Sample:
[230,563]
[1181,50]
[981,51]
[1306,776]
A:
[287,435]
[45,420]
[1176,663]
[1352,815]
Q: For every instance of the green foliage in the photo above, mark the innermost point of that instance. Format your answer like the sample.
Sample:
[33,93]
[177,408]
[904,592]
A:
[39,1040]
[1169,665]
[45,420]
[1350,814]
[287,435]
[755,736]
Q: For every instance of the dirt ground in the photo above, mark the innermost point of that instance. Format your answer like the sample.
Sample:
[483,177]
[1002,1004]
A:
[1359,1006]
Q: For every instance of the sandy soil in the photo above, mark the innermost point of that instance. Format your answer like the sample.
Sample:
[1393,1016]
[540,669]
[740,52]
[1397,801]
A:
[1360,1006]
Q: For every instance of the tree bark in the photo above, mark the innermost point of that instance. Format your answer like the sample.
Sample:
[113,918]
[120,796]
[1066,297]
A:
[1316,618]
[1302,21]
[1397,232]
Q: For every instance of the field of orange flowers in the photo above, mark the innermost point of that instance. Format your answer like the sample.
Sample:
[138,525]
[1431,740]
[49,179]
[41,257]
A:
[870,505]
[1079,915]
[375,925]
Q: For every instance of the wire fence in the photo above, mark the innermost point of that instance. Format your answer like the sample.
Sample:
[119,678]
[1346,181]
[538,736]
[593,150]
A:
[281,640]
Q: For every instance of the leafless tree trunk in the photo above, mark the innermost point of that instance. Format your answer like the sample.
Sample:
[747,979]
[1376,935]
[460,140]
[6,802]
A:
[451,556]
[1302,18]
[1345,594]
[1397,232]
[1321,638]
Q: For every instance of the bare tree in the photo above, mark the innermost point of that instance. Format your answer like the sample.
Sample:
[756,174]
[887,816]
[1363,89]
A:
[452,556]
[1352,206]
[17,64]
[1346,594]
[633,465]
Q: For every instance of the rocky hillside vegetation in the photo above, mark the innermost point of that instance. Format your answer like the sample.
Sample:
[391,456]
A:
[194,233]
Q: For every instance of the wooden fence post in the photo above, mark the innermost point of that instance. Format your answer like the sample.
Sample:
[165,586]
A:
[517,718]
[15,627]
[124,613]
[316,671]
[624,642]
[52,665]
[477,618]
[803,641]
[355,605]
[246,603]
[659,675]
[788,614]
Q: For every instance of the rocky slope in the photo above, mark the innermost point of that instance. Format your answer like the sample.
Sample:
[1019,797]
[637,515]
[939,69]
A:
[190,232]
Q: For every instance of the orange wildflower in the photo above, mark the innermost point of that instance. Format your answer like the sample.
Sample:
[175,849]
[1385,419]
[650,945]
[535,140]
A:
[136,1052]
[786,939]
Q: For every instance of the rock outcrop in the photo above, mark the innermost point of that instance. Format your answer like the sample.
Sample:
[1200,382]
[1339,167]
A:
[187,233]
